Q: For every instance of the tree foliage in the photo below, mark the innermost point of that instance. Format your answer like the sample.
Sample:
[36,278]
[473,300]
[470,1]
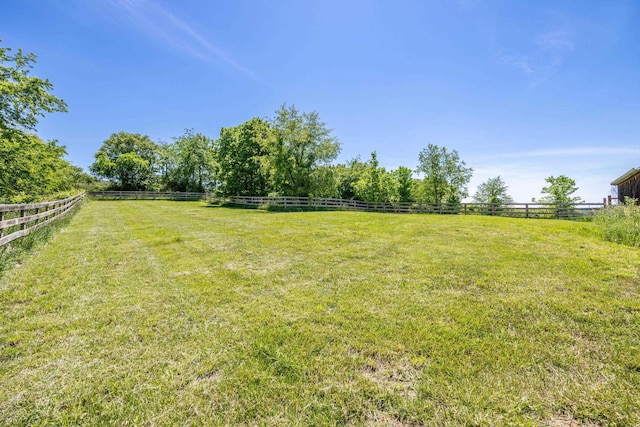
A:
[446,176]
[370,182]
[299,144]
[559,191]
[241,154]
[189,163]
[493,191]
[129,160]
[31,169]
[375,183]
[405,184]
[324,181]
[23,98]
[346,177]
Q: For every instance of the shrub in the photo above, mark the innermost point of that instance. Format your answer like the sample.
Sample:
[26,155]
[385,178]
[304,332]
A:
[620,223]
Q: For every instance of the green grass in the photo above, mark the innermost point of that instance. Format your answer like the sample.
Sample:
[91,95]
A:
[174,313]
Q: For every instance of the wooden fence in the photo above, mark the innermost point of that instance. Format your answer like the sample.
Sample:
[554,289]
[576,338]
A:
[516,210]
[147,195]
[19,220]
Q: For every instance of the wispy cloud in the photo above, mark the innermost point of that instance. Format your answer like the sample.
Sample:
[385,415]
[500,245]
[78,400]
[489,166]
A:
[593,168]
[555,42]
[160,23]
[575,152]
[544,58]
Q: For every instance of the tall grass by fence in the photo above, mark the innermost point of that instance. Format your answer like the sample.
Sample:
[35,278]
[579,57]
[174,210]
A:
[620,223]
[19,220]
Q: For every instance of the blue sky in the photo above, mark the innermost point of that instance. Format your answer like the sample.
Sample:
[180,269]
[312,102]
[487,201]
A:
[521,89]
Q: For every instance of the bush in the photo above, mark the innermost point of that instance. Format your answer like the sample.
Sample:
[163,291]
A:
[620,223]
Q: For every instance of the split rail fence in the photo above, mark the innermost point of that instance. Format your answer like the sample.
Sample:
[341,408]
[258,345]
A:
[516,210]
[147,195]
[19,220]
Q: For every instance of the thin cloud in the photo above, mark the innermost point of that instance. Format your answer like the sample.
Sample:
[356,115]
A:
[578,151]
[160,23]
[545,58]
[523,63]
[525,171]
[557,42]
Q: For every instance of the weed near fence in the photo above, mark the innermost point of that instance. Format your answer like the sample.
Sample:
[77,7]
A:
[620,223]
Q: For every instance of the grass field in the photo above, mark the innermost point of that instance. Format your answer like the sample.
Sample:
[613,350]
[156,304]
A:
[175,313]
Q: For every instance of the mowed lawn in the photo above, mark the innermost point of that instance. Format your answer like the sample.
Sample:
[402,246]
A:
[176,313]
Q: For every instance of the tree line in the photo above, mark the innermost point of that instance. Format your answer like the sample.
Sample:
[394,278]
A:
[291,154]
[30,168]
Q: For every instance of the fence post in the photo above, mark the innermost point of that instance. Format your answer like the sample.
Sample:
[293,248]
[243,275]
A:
[526,210]
[1,219]
[23,213]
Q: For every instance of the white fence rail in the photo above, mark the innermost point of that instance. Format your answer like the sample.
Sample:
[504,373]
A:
[147,195]
[518,210]
[19,220]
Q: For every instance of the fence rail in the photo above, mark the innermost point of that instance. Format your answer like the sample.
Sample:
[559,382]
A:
[516,210]
[19,220]
[147,195]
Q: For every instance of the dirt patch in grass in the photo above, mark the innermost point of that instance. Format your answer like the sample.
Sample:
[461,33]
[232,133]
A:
[380,419]
[394,376]
[566,421]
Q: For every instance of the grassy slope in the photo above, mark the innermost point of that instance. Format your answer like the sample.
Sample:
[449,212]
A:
[247,317]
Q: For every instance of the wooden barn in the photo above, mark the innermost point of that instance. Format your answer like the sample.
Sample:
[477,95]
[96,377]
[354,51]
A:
[628,185]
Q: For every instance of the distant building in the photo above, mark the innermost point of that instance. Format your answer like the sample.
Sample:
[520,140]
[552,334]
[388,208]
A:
[628,185]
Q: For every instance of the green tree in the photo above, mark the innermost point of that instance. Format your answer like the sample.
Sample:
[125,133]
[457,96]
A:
[404,184]
[241,154]
[23,98]
[346,176]
[299,144]
[31,169]
[375,183]
[325,181]
[189,163]
[129,160]
[560,190]
[446,176]
[493,191]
